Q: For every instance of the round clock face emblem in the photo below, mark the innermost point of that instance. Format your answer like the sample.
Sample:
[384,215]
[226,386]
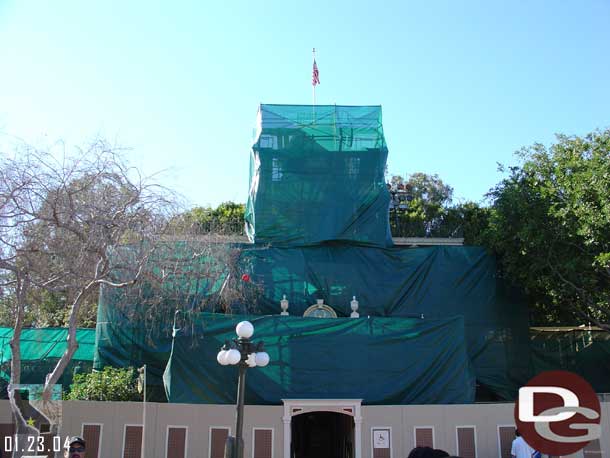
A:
[320,310]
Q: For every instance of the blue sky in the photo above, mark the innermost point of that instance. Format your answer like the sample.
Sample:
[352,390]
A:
[462,84]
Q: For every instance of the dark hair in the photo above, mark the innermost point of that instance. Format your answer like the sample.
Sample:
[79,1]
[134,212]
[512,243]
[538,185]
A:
[421,452]
[439,454]
[517,433]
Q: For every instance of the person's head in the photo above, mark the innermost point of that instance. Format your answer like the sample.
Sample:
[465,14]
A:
[421,452]
[439,454]
[76,448]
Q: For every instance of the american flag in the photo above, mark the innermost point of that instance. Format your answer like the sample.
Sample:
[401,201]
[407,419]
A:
[315,77]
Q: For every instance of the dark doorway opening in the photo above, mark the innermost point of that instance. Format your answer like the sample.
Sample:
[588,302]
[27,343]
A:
[322,435]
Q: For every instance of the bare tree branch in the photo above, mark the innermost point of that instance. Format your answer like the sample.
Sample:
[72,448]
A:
[70,225]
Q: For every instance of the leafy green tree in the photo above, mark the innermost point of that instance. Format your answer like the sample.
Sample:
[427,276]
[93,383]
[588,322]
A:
[550,226]
[424,209]
[469,220]
[227,218]
[110,384]
[49,309]
[429,188]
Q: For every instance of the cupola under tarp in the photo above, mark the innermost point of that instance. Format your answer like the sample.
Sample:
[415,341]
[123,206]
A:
[317,175]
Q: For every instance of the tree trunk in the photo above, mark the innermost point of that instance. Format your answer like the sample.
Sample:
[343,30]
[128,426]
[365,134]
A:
[22,429]
[65,359]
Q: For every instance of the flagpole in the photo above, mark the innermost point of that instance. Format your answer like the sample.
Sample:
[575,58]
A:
[314,90]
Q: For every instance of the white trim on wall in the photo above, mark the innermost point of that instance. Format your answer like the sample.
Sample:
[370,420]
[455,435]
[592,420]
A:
[457,443]
[186,439]
[125,434]
[351,407]
[415,428]
[210,436]
[498,439]
[82,434]
[254,429]
[373,428]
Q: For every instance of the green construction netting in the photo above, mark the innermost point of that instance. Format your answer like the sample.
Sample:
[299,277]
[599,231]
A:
[41,348]
[317,174]
[398,282]
[378,360]
[126,340]
[134,325]
[580,350]
[436,282]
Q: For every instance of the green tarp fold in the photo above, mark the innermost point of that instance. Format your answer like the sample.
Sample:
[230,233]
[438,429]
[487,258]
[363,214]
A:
[41,348]
[379,360]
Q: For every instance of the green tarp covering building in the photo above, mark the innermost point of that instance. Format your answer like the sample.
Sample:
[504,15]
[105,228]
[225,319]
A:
[317,213]
[318,174]
[379,360]
[40,351]
[436,282]
[584,351]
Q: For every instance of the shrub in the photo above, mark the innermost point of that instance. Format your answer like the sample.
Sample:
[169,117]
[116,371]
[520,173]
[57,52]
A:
[110,384]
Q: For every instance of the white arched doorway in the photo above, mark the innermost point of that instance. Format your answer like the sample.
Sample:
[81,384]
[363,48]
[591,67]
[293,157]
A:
[294,407]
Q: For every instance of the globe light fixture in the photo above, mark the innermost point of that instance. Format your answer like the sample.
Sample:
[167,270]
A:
[222,357]
[262,359]
[233,357]
[244,329]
